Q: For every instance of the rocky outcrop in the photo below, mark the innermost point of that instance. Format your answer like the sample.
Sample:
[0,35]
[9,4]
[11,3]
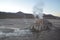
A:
[42,27]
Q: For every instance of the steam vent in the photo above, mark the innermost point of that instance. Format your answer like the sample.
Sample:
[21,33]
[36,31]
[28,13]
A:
[40,23]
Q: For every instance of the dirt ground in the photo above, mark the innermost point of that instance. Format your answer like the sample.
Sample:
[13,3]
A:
[52,34]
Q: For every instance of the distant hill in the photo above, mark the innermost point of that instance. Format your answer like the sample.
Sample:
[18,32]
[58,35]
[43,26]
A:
[49,16]
[4,15]
[15,15]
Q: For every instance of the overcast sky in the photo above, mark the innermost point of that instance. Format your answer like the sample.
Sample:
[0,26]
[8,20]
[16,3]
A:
[50,6]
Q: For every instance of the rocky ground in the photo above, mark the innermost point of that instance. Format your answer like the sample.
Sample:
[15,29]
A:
[51,34]
[44,35]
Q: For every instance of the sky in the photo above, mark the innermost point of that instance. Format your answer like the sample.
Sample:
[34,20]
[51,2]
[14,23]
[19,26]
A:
[26,6]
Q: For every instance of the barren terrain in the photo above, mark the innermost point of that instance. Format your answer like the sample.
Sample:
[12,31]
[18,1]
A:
[52,34]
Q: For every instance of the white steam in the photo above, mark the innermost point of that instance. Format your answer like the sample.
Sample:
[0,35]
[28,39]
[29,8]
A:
[38,10]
